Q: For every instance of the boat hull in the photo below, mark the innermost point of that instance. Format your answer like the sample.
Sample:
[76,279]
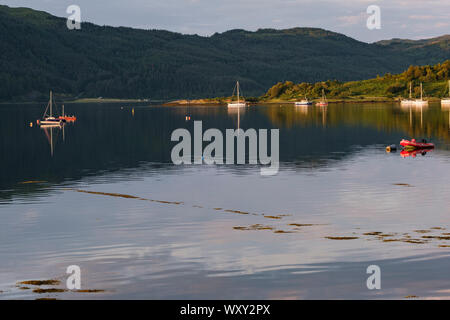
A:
[69,119]
[50,122]
[420,103]
[416,145]
[237,105]
[407,102]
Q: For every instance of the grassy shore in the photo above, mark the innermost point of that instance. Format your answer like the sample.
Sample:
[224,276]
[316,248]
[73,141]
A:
[105,100]
[215,101]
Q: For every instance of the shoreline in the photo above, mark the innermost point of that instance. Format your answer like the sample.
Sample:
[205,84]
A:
[216,102]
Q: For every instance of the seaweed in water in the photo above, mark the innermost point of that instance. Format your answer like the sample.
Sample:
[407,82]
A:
[342,238]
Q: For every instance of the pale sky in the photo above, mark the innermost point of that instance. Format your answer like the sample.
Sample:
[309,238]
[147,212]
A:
[412,19]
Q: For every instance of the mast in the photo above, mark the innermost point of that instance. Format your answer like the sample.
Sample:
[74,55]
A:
[51,98]
[449,88]
[410,90]
[239,116]
[421,92]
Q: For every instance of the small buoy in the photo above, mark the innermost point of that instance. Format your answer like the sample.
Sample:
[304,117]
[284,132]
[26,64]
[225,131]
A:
[391,148]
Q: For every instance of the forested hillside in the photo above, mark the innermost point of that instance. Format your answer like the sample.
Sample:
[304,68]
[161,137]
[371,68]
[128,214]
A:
[434,79]
[38,53]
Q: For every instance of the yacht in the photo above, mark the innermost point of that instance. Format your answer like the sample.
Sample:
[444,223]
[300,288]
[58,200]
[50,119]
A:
[446,101]
[238,103]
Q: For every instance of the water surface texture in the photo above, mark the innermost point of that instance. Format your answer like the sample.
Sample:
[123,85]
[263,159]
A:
[103,194]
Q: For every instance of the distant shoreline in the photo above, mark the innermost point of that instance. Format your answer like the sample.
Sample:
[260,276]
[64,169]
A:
[215,101]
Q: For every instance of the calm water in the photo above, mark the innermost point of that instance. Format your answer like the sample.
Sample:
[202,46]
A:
[103,194]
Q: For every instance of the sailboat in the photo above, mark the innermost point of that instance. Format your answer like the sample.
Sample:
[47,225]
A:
[68,118]
[323,102]
[304,102]
[410,101]
[49,119]
[446,101]
[237,104]
[420,102]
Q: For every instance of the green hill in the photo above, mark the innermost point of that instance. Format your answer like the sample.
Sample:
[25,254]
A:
[434,79]
[38,53]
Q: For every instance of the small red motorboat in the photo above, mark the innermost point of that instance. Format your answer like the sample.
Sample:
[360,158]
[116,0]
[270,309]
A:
[416,145]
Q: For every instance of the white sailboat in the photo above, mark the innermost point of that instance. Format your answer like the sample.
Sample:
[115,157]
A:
[49,119]
[237,104]
[410,101]
[446,101]
[420,102]
[323,102]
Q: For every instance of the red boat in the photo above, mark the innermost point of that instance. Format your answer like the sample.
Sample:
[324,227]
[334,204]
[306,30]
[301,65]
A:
[64,117]
[416,145]
[68,118]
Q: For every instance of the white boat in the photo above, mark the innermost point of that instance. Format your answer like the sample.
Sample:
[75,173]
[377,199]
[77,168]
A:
[49,119]
[446,101]
[420,102]
[323,102]
[304,102]
[410,101]
[237,104]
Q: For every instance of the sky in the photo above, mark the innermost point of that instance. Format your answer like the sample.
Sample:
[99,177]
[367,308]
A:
[410,19]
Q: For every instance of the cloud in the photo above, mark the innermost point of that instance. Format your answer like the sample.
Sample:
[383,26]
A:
[352,20]
[422,17]
[400,18]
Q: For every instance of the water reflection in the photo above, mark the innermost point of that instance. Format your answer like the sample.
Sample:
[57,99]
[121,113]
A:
[51,133]
[414,153]
[110,137]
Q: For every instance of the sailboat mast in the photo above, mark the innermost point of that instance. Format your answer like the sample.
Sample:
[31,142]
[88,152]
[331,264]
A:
[238,90]
[421,91]
[449,88]
[51,99]
[410,90]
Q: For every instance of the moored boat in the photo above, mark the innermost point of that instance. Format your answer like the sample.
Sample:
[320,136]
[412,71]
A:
[410,101]
[49,119]
[420,102]
[237,104]
[67,118]
[446,101]
[416,145]
[304,102]
[323,102]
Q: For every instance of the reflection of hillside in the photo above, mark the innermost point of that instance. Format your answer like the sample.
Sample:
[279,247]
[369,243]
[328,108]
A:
[108,140]
[415,122]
